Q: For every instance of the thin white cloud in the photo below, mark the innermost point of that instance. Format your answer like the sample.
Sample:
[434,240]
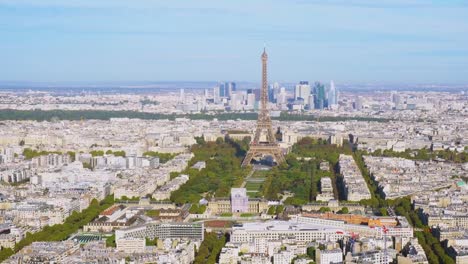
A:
[130,4]
[390,4]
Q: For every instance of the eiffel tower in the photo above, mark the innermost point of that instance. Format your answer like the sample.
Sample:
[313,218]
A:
[270,146]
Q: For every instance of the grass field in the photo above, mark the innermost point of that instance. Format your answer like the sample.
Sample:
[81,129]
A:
[255,182]
[253,186]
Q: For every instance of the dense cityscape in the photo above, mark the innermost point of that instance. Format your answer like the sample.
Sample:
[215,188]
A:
[233,132]
[371,177]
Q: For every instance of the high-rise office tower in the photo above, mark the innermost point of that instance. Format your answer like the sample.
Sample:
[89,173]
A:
[281,98]
[396,99]
[222,90]
[207,93]
[229,88]
[311,102]
[275,91]
[251,100]
[358,103]
[332,95]
[297,92]
[226,89]
[271,93]
[302,90]
[242,95]
[319,90]
[216,95]
[257,93]
[182,95]
[234,102]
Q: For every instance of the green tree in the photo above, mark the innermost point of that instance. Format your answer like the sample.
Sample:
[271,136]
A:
[96,153]
[343,210]
[383,212]
[151,242]
[87,166]
[279,209]
[163,157]
[119,153]
[210,248]
[30,153]
[110,241]
[222,172]
[311,252]
[200,140]
[197,209]
[271,210]
[72,155]
[5,253]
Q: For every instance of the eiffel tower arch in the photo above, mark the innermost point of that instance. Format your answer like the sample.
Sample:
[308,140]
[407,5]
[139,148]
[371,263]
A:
[267,146]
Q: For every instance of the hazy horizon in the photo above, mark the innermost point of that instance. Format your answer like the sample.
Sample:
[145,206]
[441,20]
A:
[359,41]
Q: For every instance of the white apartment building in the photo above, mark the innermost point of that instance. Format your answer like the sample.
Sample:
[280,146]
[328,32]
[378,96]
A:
[329,256]
[355,187]
[276,230]
[131,245]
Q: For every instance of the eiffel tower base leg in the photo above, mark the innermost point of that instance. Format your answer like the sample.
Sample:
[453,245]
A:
[248,158]
[257,150]
[279,158]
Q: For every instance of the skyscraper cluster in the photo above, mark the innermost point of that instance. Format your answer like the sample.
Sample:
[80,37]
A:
[224,90]
[316,97]
[306,96]
[226,93]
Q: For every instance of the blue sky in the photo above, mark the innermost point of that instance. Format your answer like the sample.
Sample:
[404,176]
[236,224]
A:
[394,41]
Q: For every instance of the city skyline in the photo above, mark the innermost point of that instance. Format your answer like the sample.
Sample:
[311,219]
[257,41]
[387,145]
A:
[352,41]
[234,132]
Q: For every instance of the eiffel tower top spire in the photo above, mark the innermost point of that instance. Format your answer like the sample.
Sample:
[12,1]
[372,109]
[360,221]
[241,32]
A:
[264,92]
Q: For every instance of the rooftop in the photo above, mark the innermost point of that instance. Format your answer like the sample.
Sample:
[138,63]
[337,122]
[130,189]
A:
[284,226]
